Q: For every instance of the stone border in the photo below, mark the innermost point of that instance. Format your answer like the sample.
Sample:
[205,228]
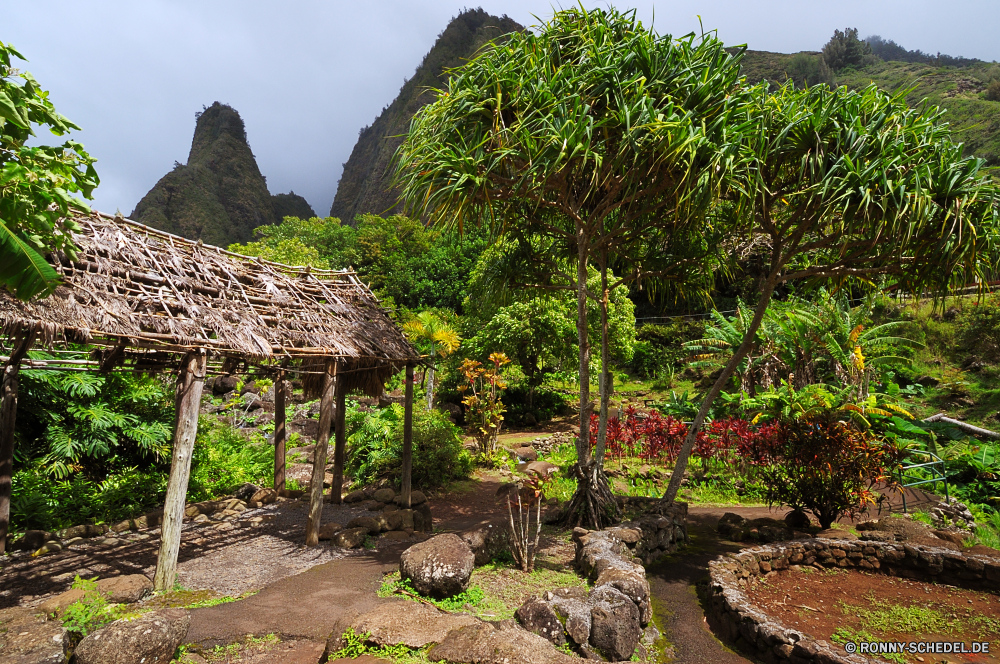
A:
[751,629]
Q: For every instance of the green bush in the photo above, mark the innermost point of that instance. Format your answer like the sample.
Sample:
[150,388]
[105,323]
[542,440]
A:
[979,330]
[224,458]
[375,447]
[992,91]
[542,403]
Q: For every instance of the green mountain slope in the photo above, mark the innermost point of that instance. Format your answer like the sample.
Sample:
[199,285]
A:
[291,205]
[959,90]
[219,196]
[364,185]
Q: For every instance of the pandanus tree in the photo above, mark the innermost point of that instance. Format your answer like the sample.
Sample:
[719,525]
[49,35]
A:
[594,133]
[841,185]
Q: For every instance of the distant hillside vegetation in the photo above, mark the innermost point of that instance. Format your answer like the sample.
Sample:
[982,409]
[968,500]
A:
[219,196]
[291,205]
[962,90]
[364,185]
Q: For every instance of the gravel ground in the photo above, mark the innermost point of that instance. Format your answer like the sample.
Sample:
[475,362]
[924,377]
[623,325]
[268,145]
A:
[228,557]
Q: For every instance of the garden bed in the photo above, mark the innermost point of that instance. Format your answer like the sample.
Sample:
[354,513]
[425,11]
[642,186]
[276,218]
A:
[740,596]
[850,606]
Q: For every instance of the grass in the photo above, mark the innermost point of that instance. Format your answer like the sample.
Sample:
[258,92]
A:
[844,635]
[885,617]
[495,591]
[354,645]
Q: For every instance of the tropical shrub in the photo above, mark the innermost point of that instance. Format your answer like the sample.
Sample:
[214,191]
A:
[225,458]
[822,466]
[375,447]
[484,407]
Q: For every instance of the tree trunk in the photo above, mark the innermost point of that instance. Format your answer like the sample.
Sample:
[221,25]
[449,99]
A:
[279,432]
[189,387]
[407,471]
[605,385]
[8,419]
[592,503]
[340,439]
[741,352]
[319,454]
[430,380]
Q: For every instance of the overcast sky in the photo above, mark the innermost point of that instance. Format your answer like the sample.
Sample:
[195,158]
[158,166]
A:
[307,75]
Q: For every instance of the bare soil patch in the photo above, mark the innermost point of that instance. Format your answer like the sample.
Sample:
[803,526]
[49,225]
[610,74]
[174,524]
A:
[847,605]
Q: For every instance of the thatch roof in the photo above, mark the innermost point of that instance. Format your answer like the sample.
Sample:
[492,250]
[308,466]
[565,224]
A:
[150,296]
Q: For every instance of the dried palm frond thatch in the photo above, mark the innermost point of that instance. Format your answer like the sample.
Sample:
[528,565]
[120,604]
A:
[140,293]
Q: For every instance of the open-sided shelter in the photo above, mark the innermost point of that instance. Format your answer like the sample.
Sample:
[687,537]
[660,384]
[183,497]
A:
[145,300]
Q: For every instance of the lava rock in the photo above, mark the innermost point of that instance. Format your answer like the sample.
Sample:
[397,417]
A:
[125,589]
[416,498]
[526,454]
[440,567]
[150,639]
[384,495]
[27,638]
[615,629]
[351,538]
[538,617]
[370,524]
[797,520]
[412,624]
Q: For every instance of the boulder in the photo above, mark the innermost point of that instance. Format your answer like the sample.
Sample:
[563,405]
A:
[351,538]
[59,603]
[370,524]
[355,497]
[504,643]
[416,498]
[538,617]
[151,639]
[384,495]
[328,530]
[246,492]
[264,496]
[389,521]
[223,385]
[615,629]
[488,541]
[397,536]
[440,567]
[125,589]
[631,583]
[574,613]
[405,520]
[412,624]
[32,540]
[730,522]
[27,638]
[526,454]
[422,519]
[300,472]
[797,520]
[86,530]
[542,469]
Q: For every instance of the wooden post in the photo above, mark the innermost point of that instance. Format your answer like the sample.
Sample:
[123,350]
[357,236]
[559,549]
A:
[340,440]
[189,386]
[279,432]
[319,455]
[404,489]
[8,417]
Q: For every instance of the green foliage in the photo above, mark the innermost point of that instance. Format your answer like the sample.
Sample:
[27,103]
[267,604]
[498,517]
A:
[807,69]
[845,50]
[992,92]
[393,585]
[375,446]
[659,348]
[821,465]
[354,645]
[74,421]
[288,251]
[225,458]
[37,183]
[89,613]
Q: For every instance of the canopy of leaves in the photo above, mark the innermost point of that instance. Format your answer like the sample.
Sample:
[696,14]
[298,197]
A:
[37,184]
[845,50]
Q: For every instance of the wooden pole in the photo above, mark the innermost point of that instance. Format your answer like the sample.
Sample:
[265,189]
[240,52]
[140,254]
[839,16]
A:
[279,432]
[8,417]
[319,455]
[407,440]
[340,440]
[189,386]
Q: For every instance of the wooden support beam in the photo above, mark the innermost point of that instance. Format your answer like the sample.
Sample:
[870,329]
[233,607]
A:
[407,440]
[279,431]
[189,387]
[319,454]
[340,441]
[8,418]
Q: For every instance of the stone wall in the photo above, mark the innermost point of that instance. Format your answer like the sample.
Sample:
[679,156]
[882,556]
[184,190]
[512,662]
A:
[648,538]
[734,615]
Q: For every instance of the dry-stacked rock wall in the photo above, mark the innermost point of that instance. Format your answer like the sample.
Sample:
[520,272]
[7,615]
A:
[735,615]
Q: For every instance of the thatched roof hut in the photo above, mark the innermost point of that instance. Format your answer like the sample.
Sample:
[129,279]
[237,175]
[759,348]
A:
[157,295]
[146,300]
